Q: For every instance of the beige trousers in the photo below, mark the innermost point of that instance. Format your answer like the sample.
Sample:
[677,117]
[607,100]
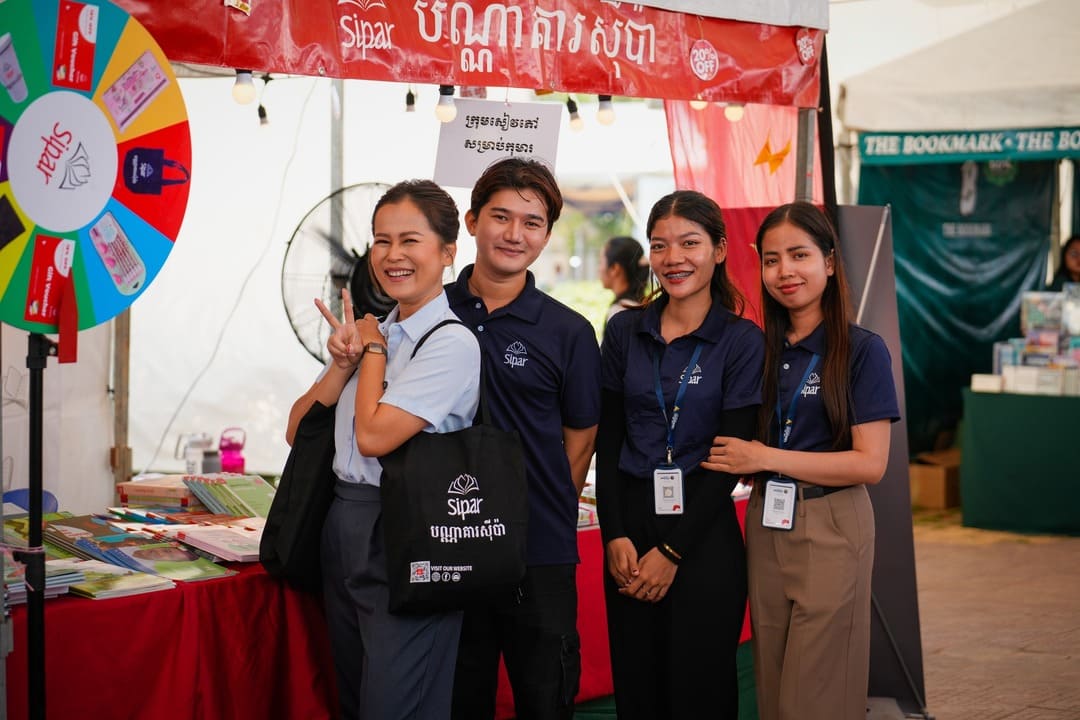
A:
[810,607]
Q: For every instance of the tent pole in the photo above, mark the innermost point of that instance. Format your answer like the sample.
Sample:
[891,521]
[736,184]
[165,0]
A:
[804,156]
[120,456]
[337,162]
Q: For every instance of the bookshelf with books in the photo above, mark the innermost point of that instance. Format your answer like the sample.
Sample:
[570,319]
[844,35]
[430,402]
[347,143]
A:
[1045,360]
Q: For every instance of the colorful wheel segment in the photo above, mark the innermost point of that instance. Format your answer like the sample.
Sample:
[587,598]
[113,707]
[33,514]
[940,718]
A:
[95,161]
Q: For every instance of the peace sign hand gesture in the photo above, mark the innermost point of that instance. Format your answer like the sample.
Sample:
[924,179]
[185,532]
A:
[344,344]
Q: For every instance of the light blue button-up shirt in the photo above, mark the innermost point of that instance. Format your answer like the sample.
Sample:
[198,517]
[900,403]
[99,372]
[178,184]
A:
[439,385]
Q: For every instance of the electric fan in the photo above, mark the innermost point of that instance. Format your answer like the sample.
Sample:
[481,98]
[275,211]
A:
[327,252]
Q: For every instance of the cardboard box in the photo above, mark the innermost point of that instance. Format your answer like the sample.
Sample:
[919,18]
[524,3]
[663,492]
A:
[981,382]
[935,479]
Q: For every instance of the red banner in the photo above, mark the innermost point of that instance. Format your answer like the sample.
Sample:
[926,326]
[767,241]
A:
[611,48]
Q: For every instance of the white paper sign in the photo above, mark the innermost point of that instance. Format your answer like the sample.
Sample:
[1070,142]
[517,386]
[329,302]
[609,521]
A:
[488,130]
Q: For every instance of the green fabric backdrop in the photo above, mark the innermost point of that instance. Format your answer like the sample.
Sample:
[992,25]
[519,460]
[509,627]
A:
[967,239]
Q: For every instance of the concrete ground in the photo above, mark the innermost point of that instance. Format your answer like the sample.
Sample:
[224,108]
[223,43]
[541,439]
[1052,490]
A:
[1000,616]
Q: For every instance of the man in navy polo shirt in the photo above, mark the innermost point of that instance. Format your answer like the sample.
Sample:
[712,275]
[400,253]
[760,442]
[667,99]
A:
[543,380]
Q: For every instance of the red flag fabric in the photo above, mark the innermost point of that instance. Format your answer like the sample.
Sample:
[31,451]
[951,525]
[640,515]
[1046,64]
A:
[747,166]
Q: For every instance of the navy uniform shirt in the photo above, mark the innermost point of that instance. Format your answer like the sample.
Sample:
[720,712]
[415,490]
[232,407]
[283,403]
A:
[543,373]
[726,376]
[873,393]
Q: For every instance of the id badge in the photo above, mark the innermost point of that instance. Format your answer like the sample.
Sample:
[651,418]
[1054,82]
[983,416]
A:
[779,507]
[668,490]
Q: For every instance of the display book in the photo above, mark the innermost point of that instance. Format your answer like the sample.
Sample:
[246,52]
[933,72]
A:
[232,493]
[66,573]
[1046,360]
[220,537]
[158,490]
[93,537]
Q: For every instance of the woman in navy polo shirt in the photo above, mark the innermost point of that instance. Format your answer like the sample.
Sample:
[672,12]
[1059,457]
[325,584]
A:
[675,373]
[827,402]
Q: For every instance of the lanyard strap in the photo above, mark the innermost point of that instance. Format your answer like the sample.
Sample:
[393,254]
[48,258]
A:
[787,421]
[678,395]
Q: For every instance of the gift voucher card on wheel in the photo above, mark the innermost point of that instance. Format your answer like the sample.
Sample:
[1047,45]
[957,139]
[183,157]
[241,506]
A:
[134,89]
[123,263]
[76,41]
[50,270]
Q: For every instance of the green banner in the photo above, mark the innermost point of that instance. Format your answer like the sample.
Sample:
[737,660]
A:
[946,147]
[968,239]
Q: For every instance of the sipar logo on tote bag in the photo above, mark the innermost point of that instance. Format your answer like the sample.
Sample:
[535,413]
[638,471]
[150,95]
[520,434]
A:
[144,171]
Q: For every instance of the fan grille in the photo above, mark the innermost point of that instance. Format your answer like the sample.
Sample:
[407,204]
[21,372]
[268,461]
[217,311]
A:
[320,259]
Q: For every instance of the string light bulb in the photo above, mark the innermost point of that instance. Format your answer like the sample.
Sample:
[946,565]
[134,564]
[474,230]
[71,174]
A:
[410,101]
[734,111]
[243,90]
[446,111]
[576,123]
[263,120]
[699,104]
[605,114]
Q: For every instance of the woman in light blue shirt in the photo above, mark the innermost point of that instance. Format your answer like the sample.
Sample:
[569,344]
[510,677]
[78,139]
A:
[390,666]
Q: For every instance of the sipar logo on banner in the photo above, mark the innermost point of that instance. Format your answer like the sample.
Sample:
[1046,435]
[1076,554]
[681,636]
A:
[361,33]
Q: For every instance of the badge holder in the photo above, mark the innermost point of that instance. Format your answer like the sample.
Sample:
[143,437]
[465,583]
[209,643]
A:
[668,488]
[778,512]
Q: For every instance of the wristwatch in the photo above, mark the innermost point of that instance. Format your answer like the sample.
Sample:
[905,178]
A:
[377,348]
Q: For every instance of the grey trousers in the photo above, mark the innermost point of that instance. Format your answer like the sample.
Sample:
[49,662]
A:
[388,667]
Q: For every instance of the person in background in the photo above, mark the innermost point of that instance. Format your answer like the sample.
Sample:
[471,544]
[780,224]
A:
[542,367]
[828,400]
[1069,267]
[624,270]
[676,373]
[390,666]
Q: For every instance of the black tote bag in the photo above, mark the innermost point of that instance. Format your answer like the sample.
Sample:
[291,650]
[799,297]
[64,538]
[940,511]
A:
[289,548]
[454,515]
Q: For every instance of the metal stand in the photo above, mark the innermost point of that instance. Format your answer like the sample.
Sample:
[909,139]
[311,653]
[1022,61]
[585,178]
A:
[40,348]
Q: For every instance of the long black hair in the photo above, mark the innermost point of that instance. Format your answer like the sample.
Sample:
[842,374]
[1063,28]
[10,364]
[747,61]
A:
[703,210]
[627,253]
[1062,273]
[836,308]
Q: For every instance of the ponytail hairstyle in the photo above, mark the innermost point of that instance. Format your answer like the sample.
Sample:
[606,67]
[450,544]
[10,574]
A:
[836,309]
[703,210]
[627,253]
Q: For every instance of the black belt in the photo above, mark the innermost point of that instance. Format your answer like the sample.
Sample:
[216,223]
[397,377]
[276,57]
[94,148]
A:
[816,491]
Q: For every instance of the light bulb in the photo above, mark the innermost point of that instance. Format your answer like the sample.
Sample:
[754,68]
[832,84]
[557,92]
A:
[605,114]
[445,110]
[734,112]
[243,90]
[699,104]
[410,101]
[576,123]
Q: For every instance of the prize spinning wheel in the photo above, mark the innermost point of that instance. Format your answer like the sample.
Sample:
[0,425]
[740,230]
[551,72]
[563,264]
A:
[95,158]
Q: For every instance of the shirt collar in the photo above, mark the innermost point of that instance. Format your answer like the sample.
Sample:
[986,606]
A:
[527,305]
[710,331]
[420,321]
[814,342]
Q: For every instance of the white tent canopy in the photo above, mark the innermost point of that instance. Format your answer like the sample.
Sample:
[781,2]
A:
[1019,71]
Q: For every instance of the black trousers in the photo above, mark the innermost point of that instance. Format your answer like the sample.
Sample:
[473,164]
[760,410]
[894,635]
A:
[535,630]
[675,659]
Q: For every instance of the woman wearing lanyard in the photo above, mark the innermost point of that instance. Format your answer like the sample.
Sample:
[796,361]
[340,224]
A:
[675,373]
[827,402]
